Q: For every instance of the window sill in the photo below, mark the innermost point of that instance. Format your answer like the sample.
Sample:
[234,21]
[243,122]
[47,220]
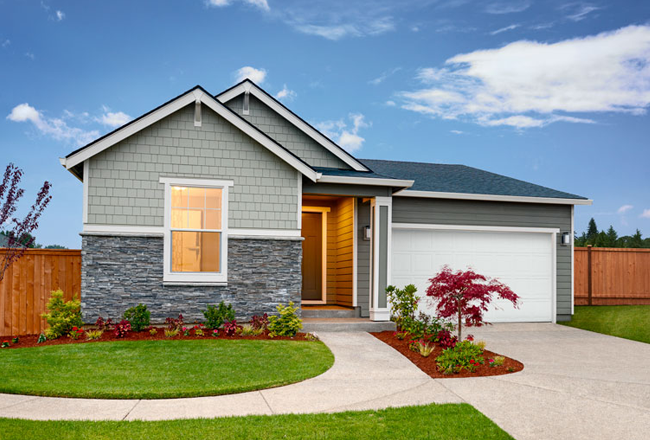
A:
[197,284]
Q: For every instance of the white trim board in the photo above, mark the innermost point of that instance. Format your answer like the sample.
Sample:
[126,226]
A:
[491,197]
[365,181]
[324,141]
[475,228]
[195,95]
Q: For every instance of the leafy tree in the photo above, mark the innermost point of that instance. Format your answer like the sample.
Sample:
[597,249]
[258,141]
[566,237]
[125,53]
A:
[18,231]
[54,246]
[466,295]
[580,241]
[592,231]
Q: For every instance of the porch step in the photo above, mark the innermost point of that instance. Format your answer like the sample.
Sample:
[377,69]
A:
[345,325]
[329,312]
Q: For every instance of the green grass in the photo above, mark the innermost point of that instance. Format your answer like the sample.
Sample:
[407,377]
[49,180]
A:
[160,369]
[629,322]
[449,422]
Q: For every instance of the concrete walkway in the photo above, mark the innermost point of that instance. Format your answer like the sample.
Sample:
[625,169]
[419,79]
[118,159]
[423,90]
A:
[575,385]
[367,374]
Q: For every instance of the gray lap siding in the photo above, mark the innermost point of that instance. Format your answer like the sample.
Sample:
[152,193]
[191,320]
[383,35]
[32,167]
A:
[480,213]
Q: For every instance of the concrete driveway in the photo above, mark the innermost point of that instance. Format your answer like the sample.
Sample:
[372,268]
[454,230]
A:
[575,385]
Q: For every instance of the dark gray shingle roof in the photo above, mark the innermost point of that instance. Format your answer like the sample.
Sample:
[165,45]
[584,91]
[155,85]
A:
[460,179]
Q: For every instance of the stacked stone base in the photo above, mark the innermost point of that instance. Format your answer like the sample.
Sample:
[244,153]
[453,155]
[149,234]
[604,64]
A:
[118,272]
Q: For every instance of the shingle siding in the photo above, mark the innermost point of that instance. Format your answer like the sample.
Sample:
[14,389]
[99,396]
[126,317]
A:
[286,134]
[461,212]
[124,186]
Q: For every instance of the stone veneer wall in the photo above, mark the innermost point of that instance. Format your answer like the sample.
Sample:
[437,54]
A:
[118,272]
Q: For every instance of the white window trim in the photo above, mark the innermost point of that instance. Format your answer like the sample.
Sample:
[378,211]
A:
[196,278]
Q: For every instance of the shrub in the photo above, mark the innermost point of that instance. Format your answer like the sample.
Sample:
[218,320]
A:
[260,321]
[230,328]
[172,332]
[466,295]
[401,335]
[198,330]
[62,315]
[424,326]
[5,344]
[138,316]
[175,323]
[93,335]
[403,303]
[287,323]
[481,344]
[250,330]
[122,328]
[153,331]
[15,340]
[423,347]
[75,333]
[104,325]
[445,339]
[215,316]
[464,356]
[41,338]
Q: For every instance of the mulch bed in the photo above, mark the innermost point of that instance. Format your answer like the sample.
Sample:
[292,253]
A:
[26,341]
[428,364]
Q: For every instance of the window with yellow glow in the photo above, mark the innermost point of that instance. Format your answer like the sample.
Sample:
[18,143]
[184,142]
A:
[196,228]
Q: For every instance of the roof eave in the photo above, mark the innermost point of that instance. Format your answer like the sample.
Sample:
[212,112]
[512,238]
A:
[373,181]
[493,197]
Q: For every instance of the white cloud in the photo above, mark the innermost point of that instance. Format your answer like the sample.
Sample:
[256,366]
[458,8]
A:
[527,83]
[256,75]
[5,43]
[579,11]
[625,208]
[60,15]
[645,214]
[330,32]
[507,7]
[286,94]
[505,29]
[346,137]
[384,76]
[390,103]
[30,55]
[261,4]
[457,132]
[53,127]
[113,119]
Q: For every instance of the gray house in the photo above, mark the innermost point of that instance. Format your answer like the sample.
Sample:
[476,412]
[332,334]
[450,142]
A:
[234,197]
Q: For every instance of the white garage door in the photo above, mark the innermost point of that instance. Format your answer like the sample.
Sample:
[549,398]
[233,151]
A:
[521,260]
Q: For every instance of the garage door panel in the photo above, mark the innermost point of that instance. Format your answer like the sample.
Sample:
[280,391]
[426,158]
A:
[523,261]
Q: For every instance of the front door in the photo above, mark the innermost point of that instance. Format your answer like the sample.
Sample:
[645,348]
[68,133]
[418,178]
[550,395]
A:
[312,256]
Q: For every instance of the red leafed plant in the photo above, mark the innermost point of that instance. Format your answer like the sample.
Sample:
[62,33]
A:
[122,328]
[230,328]
[466,295]
[17,232]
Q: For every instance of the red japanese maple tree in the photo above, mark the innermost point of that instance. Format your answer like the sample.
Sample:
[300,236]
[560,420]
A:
[466,295]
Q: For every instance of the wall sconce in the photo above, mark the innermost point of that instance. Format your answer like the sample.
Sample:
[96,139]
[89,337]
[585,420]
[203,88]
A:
[566,239]
[366,233]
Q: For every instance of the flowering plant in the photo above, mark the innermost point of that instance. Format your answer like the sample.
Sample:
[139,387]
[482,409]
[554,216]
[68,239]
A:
[215,332]
[198,330]
[75,333]
[186,331]
[15,340]
[5,344]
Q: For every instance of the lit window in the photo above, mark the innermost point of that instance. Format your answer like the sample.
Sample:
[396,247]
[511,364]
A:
[196,237]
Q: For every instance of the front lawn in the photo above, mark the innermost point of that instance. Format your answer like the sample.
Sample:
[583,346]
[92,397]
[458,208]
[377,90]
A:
[449,422]
[160,369]
[629,322]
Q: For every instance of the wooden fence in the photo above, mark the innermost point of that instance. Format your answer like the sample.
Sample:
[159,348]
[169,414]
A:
[608,276]
[27,284]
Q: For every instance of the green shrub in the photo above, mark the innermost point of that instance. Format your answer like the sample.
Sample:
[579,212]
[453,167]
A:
[215,316]
[287,323]
[403,303]
[138,316]
[62,316]
[464,356]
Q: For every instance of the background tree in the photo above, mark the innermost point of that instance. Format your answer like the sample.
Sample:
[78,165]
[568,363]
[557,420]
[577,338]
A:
[18,232]
[466,295]
[612,237]
[592,231]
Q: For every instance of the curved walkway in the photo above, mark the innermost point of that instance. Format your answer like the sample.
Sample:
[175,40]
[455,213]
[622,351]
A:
[367,374]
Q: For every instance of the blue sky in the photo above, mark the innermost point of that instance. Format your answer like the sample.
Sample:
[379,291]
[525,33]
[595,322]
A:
[551,92]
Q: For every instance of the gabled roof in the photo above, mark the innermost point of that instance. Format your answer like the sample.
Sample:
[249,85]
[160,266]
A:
[249,86]
[196,94]
[352,177]
[463,182]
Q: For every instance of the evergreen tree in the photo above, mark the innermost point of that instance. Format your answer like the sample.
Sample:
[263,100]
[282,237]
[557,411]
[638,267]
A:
[637,240]
[592,231]
[612,237]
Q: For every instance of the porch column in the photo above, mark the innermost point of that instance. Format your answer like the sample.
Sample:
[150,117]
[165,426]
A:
[381,223]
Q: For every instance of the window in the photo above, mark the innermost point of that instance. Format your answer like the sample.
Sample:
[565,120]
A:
[195,230]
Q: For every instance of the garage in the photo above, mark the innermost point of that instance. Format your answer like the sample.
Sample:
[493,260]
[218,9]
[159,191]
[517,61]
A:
[522,258]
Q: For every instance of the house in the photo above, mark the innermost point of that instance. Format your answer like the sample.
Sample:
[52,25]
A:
[234,197]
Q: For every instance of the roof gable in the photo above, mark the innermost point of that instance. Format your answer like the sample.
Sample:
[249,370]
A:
[195,95]
[295,120]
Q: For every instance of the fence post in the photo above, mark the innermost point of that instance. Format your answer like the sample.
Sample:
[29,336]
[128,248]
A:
[589,281]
